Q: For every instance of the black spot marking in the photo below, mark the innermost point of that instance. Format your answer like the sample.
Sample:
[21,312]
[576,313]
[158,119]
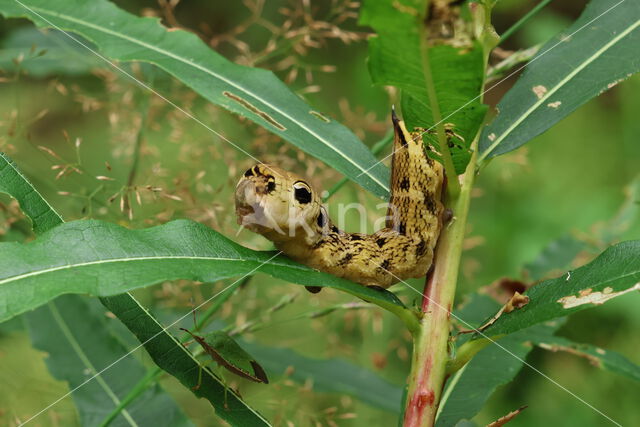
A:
[429,202]
[403,140]
[381,241]
[402,228]
[405,184]
[421,249]
[345,259]
[271,186]
[385,265]
[319,243]
[249,172]
[355,237]
[334,229]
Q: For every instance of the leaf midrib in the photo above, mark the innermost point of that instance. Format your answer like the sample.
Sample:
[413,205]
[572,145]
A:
[557,87]
[77,348]
[207,71]
[117,260]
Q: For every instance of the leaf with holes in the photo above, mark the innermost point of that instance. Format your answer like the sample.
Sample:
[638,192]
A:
[598,51]
[598,357]
[251,92]
[613,273]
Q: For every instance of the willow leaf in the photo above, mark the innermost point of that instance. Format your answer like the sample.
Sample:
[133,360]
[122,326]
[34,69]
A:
[251,92]
[598,357]
[63,342]
[72,331]
[167,352]
[103,259]
[467,391]
[598,51]
[14,183]
[613,273]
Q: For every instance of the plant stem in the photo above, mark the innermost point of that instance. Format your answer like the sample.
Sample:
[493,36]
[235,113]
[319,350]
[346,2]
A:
[465,353]
[146,382]
[515,27]
[430,351]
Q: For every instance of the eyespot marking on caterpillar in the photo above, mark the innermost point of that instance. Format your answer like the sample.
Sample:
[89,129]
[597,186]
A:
[302,192]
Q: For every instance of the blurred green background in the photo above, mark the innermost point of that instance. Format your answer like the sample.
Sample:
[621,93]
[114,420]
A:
[73,125]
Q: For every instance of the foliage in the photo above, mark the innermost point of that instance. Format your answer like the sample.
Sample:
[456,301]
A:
[438,59]
[580,63]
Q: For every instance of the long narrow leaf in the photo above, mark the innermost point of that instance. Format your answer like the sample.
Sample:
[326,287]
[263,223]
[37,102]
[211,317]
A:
[467,391]
[598,357]
[167,352]
[330,375]
[614,273]
[254,93]
[14,183]
[598,51]
[79,345]
[44,217]
[103,259]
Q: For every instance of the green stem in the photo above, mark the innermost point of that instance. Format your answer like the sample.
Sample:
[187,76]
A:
[148,380]
[453,186]
[428,367]
[465,353]
[515,27]
[144,114]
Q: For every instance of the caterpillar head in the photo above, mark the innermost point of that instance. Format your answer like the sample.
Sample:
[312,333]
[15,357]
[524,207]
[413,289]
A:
[278,204]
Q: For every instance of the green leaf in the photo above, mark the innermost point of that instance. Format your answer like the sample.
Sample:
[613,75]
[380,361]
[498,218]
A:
[497,364]
[396,58]
[251,92]
[598,51]
[601,358]
[329,375]
[103,259]
[557,255]
[167,352]
[47,53]
[79,345]
[44,217]
[14,183]
[613,273]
